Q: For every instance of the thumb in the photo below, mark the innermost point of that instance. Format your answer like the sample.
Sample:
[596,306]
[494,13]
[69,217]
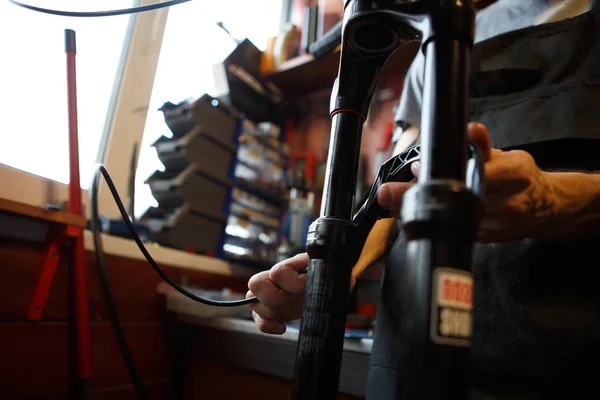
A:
[479,135]
[390,195]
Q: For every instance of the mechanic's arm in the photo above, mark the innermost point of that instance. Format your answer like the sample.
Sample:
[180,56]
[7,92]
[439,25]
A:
[522,201]
[569,207]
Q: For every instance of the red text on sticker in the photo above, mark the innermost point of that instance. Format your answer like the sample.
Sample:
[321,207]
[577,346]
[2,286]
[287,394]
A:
[456,291]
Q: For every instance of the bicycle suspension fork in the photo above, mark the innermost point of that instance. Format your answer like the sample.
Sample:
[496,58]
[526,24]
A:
[439,213]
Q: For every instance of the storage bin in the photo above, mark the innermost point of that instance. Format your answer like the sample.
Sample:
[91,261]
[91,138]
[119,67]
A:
[198,148]
[185,228]
[252,202]
[203,192]
[214,117]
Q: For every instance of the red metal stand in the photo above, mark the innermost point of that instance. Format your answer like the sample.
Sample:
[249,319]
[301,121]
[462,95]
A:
[57,236]
[52,252]
[80,294]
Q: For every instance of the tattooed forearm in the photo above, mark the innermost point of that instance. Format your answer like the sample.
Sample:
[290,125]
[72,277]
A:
[572,203]
[540,199]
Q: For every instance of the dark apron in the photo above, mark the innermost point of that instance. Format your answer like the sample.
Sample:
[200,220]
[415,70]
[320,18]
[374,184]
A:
[537,302]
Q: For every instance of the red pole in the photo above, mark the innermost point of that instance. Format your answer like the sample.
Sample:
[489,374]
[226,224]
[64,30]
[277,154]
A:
[80,295]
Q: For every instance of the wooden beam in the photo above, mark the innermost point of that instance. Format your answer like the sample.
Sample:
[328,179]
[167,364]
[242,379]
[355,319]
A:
[45,214]
[305,74]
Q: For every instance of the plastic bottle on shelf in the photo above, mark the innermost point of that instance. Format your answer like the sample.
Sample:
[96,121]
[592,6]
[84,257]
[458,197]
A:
[267,61]
[287,44]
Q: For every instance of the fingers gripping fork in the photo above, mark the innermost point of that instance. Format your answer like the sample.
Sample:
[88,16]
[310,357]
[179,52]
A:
[398,169]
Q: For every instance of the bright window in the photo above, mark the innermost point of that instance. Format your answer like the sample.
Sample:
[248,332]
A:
[33,92]
[192,43]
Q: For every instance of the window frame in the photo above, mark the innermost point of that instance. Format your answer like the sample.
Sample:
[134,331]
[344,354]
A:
[124,124]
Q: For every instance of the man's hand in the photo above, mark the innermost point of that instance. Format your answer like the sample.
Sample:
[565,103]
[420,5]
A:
[520,199]
[280,292]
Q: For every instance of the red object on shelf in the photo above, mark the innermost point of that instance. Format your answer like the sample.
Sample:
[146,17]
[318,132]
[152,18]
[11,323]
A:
[289,130]
[386,138]
[367,309]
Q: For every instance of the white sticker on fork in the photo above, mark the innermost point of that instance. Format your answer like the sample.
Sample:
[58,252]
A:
[452,307]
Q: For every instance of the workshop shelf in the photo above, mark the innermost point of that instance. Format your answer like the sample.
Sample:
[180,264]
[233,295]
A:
[305,74]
